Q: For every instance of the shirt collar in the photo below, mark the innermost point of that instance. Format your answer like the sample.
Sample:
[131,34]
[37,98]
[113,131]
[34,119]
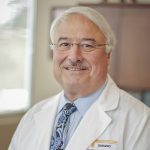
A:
[83,103]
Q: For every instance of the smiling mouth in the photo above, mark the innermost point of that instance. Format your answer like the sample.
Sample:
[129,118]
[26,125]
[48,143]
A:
[76,68]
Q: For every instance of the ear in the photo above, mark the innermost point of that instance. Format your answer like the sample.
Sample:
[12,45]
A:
[109,58]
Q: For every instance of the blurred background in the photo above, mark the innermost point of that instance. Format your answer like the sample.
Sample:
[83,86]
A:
[26,60]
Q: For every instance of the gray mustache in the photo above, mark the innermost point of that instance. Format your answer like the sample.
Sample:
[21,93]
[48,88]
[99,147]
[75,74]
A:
[77,63]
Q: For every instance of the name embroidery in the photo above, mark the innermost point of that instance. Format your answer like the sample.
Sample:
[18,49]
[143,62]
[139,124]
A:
[104,145]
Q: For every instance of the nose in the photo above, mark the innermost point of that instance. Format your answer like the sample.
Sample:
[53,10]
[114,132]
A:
[75,53]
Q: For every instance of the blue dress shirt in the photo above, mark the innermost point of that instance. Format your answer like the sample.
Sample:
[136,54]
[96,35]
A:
[82,104]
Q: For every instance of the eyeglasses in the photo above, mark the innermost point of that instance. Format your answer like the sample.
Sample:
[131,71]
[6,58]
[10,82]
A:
[84,46]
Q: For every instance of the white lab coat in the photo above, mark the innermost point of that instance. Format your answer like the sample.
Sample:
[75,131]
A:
[116,121]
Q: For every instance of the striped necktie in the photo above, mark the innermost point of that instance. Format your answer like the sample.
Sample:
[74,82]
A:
[58,139]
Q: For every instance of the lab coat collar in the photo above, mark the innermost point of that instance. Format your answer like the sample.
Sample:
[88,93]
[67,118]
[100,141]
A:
[110,97]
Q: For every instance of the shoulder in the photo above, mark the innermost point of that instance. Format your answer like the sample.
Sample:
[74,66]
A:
[133,104]
[127,105]
[40,106]
[126,101]
[28,121]
[133,112]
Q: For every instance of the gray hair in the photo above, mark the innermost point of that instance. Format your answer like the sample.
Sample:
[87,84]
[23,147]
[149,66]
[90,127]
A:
[97,18]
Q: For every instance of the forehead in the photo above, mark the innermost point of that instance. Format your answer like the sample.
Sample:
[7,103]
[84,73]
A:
[78,26]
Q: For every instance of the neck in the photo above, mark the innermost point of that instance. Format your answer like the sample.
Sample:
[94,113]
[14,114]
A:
[73,94]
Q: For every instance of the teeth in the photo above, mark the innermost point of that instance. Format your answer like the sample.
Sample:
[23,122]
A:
[74,69]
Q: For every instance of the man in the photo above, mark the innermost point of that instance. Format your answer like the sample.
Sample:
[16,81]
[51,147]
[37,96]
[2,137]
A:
[91,113]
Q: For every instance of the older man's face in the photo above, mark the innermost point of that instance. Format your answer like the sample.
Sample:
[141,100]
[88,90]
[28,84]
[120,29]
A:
[79,72]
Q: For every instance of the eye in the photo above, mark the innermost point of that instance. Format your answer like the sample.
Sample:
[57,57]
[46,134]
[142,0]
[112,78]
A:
[64,44]
[87,46]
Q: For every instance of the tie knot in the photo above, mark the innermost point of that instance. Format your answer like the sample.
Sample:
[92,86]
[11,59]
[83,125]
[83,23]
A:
[69,108]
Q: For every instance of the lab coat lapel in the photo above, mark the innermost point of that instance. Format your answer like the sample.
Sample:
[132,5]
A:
[96,119]
[92,125]
[44,123]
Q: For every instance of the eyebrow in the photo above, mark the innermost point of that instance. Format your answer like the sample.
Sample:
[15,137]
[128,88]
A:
[82,39]
[63,38]
[88,39]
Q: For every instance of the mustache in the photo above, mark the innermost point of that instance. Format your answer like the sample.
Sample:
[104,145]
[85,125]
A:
[78,64]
